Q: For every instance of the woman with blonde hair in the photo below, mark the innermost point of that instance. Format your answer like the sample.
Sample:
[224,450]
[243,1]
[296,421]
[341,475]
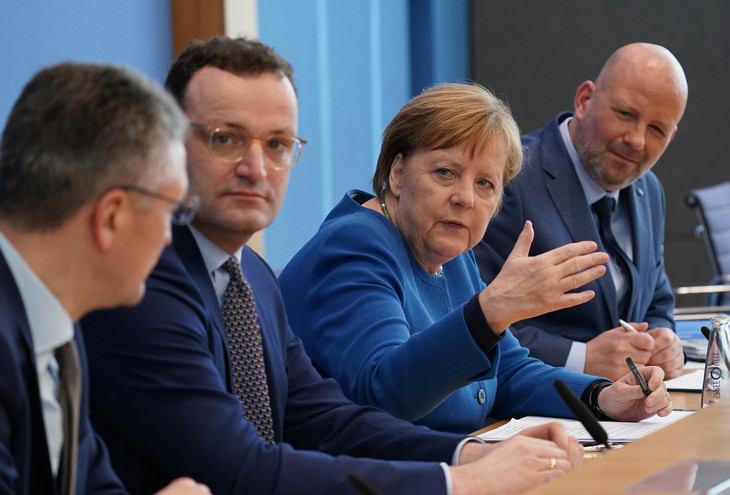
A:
[388,300]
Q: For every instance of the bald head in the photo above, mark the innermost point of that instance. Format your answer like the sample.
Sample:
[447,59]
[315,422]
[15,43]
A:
[648,65]
[625,120]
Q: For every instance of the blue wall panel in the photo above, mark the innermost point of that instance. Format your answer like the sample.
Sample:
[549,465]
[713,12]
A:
[36,33]
[352,70]
[440,40]
[354,67]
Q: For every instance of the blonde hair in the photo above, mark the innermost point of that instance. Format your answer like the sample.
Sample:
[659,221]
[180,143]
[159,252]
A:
[447,115]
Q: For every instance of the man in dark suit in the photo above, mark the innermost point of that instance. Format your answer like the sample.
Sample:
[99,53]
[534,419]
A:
[166,394]
[86,153]
[621,126]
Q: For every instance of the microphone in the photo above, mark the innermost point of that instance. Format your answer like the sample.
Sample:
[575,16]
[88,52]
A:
[361,486]
[584,415]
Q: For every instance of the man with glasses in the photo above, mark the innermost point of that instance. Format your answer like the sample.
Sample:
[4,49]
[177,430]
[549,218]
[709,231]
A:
[78,232]
[176,388]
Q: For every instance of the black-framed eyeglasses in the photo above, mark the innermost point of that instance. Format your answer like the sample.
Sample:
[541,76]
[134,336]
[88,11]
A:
[231,145]
[184,209]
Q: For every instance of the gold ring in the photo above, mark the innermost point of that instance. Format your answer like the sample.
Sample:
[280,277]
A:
[553,463]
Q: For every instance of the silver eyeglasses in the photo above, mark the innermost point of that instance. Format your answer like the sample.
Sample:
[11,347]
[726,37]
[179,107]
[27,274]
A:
[231,145]
[184,209]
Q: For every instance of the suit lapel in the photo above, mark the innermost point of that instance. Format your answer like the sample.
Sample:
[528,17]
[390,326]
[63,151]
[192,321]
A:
[567,195]
[187,249]
[257,275]
[12,312]
[15,310]
[641,233]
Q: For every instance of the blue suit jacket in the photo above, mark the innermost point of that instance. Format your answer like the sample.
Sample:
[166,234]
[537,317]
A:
[547,192]
[163,398]
[396,337]
[25,466]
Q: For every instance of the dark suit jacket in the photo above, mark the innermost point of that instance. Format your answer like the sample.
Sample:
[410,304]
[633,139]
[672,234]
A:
[547,192]
[25,466]
[163,398]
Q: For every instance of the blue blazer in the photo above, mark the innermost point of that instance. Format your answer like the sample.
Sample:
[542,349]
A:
[547,192]
[396,337]
[163,398]
[25,466]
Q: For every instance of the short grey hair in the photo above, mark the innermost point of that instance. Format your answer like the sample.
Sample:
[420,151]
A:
[76,131]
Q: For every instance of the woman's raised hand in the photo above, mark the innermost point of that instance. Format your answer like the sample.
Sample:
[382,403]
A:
[529,286]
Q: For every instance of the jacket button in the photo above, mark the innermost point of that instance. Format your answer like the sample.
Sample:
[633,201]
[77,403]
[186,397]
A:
[481,396]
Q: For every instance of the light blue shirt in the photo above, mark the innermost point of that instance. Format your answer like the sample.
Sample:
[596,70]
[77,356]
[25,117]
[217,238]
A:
[214,256]
[620,224]
[50,327]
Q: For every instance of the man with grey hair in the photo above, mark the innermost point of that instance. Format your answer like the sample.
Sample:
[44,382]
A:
[92,170]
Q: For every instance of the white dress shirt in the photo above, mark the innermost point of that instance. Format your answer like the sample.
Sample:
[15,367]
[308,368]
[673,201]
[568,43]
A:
[50,327]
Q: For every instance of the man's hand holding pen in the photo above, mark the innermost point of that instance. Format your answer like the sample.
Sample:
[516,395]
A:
[624,400]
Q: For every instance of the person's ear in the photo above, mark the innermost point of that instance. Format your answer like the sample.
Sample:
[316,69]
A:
[396,175]
[674,133]
[582,96]
[110,215]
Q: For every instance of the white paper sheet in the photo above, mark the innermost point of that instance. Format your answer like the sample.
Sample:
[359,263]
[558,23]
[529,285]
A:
[618,431]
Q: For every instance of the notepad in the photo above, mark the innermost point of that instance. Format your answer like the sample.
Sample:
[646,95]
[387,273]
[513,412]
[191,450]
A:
[618,431]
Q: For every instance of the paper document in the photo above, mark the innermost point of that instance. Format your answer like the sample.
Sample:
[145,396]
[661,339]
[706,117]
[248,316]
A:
[618,431]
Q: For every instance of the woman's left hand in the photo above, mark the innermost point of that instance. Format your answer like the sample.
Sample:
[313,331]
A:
[529,286]
[624,400]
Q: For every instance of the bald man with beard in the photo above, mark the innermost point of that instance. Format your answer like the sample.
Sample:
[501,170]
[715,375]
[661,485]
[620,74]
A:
[621,126]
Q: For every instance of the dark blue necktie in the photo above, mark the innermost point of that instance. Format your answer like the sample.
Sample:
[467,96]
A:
[604,209]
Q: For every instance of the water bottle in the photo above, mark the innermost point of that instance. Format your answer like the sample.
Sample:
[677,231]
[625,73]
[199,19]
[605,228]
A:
[717,364]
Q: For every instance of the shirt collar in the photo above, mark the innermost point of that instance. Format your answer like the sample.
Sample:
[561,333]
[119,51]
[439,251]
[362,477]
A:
[213,255]
[592,191]
[50,324]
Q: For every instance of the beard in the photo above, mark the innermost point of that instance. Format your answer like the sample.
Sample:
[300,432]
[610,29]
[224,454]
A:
[606,169]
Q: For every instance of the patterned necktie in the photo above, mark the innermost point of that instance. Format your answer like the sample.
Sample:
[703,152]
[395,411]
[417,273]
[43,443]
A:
[69,373]
[604,208]
[247,351]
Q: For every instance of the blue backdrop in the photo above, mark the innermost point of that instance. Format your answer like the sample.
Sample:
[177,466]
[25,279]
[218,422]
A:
[37,33]
[355,63]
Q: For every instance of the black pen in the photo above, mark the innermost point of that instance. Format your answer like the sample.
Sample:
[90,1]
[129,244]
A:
[361,486]
[639,378]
